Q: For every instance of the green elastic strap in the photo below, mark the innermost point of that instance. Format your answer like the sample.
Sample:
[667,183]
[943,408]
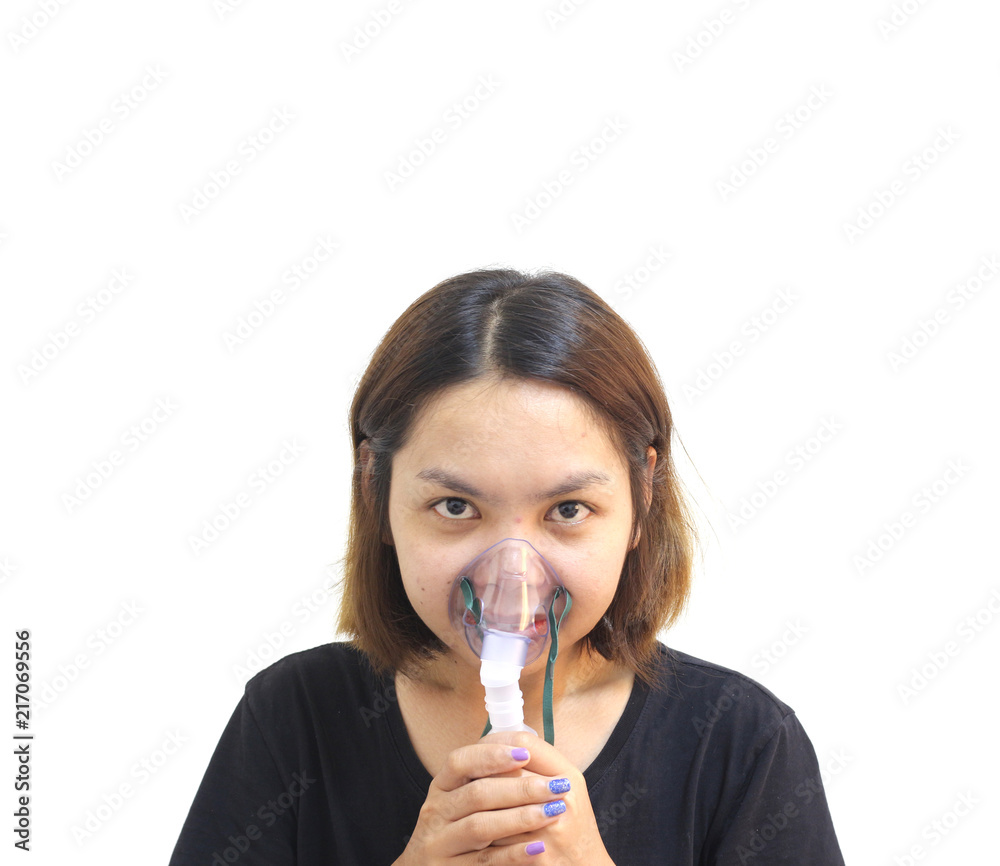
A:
[471,602]
[549,731]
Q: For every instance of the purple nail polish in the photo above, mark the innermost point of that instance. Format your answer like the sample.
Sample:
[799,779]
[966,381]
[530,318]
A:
[519,754]
[559,786]
[556,807]
[535,848]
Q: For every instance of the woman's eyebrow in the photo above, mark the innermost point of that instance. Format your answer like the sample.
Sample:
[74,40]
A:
[576,481]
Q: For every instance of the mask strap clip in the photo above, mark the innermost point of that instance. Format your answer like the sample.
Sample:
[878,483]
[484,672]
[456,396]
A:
[472,604]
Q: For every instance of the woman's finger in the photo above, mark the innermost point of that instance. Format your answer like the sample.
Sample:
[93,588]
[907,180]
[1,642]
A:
[477,762]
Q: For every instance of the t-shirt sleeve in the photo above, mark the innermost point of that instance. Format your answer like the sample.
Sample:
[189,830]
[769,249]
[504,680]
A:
[782,816]
[244,809]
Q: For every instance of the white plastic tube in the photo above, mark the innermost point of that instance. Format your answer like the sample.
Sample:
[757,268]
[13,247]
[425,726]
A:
[503,658]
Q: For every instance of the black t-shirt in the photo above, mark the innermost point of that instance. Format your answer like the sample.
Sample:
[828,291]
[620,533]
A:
[315,768]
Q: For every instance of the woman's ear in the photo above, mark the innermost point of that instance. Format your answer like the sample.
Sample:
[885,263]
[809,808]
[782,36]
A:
[366,458]
[650,463]
[647,489]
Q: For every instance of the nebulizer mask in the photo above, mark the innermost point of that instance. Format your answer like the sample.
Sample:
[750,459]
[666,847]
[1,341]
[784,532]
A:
[508,601]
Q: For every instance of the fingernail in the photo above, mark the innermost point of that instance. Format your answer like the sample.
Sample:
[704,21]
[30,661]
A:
[535,848]
[556,807]
[519,754]
[559,786]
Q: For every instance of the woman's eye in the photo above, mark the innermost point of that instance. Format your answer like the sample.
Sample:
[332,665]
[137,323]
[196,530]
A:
[454,509]
[568,513]
[572,511]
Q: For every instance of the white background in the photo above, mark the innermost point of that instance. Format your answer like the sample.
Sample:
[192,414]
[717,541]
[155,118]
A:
[844,623]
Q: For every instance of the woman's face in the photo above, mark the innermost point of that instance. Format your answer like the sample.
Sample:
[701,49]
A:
[519,459]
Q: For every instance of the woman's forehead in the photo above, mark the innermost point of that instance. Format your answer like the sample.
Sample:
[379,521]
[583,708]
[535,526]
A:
[471,420]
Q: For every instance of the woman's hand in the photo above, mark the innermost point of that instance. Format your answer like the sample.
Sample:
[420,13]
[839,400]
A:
[482,795]
[572,839]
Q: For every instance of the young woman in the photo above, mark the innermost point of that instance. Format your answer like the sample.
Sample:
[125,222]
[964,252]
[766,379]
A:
[513,408]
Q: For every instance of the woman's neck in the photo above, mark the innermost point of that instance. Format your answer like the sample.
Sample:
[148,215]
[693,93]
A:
[576,672]
[443,708]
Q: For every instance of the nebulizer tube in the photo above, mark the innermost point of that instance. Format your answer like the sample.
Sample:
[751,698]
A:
[500,673]
[506,601]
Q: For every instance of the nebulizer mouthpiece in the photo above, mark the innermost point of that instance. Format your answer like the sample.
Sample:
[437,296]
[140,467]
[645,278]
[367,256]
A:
[508,602]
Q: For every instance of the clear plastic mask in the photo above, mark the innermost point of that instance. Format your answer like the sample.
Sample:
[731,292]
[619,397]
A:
[508,590]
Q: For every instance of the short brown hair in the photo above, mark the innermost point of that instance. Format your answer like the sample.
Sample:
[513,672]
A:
[506,324]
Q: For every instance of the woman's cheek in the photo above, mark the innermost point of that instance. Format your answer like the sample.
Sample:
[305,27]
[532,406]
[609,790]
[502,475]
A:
[429,593]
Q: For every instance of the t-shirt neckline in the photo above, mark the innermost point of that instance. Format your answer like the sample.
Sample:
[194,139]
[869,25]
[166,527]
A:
[592,775]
